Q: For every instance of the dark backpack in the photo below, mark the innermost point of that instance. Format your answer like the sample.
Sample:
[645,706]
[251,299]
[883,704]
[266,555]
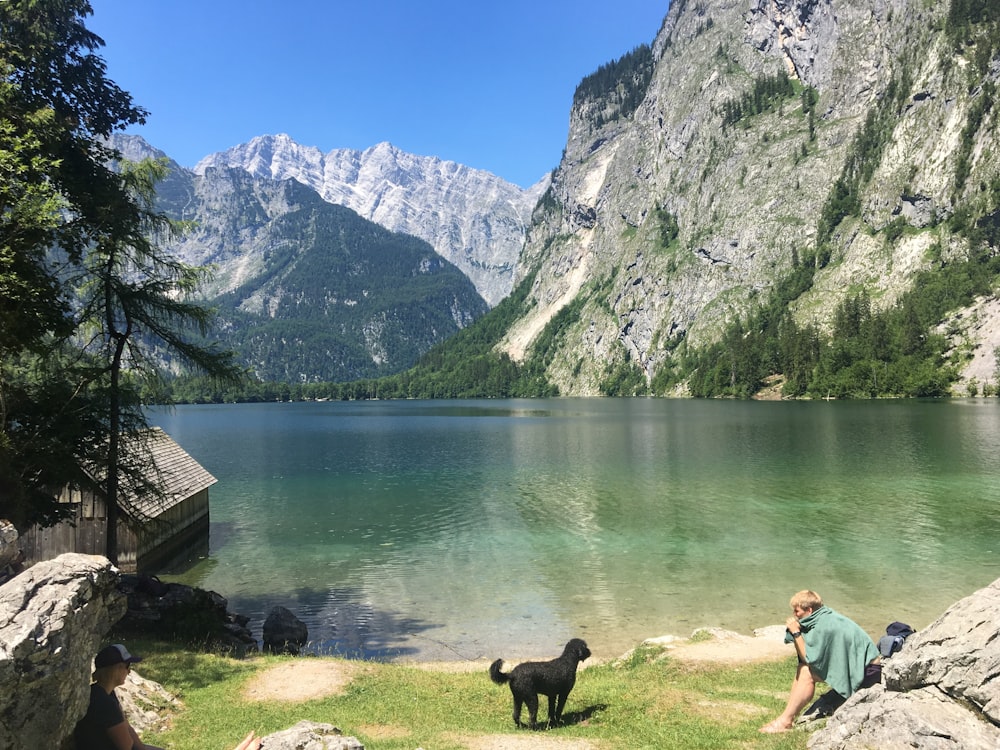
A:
[895,636]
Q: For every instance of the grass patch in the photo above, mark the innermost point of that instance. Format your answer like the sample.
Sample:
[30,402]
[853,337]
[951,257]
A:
[649,700]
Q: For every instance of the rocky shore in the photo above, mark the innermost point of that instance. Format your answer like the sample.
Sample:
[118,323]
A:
[941,691]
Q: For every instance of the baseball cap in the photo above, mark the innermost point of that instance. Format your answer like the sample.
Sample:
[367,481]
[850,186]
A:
[116,654]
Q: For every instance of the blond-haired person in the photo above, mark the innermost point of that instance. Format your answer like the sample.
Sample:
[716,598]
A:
[104,726]
[831,648]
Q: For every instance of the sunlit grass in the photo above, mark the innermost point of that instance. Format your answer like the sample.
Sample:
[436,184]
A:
[646,701]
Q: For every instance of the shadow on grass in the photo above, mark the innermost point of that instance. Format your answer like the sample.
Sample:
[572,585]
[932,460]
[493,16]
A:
[189,670]
[572,718]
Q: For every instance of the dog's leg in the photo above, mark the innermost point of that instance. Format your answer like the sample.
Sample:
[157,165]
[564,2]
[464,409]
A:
[531,701]
[554,711]
[560,704]
[517,711]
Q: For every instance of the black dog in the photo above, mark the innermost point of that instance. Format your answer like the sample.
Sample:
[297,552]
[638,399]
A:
[552,678]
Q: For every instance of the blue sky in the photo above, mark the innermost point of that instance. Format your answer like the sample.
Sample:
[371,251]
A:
[485,84]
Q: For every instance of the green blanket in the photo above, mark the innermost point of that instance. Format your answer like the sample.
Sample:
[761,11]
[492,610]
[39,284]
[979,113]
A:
[837,649]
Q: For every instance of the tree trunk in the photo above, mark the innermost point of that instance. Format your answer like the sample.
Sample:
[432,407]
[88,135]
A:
[114,442]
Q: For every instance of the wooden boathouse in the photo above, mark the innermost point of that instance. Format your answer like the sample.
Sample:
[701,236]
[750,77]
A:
[152,528]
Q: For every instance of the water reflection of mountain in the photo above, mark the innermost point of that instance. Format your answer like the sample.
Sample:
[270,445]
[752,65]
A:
[468,529]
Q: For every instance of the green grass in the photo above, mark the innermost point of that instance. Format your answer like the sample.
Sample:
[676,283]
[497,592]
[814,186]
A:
[647,701]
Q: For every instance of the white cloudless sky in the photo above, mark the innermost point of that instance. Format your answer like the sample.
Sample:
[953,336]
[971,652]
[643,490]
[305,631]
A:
[485,84]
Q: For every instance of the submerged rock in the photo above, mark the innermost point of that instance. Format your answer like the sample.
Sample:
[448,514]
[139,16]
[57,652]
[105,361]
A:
[284,633]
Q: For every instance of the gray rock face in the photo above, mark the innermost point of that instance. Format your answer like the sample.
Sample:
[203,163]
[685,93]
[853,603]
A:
[941,691]
[284,632]
[309,735]
[147,704]
[746,199]
[471,217]
[959,654]
[925,718]
[53,617]
[10,552]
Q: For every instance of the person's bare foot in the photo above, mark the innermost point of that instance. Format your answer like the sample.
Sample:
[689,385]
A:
[775,727]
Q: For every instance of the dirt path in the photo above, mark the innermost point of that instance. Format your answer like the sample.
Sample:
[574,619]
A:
[303,680]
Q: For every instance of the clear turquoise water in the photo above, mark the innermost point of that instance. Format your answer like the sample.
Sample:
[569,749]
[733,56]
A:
[459,530]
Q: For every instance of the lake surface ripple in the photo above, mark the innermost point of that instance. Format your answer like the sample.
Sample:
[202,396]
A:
[465,529]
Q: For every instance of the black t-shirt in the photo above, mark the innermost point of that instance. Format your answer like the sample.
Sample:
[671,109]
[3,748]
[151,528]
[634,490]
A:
[104,712]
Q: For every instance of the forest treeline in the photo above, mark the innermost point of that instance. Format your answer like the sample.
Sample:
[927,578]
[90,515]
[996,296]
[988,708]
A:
[868,353]
[618,87]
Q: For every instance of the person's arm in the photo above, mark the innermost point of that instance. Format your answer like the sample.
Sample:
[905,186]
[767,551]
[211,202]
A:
[122,736]
[798,639]
[136,743]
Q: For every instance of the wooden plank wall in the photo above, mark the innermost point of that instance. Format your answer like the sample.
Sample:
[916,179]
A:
[85,533]
[165,538]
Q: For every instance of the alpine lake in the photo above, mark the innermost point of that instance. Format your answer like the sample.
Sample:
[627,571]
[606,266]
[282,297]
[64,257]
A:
[453,530]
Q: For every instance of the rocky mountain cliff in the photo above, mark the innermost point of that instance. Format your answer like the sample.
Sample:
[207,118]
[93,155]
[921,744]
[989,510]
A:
[306,290]
[473,218]
[688,189]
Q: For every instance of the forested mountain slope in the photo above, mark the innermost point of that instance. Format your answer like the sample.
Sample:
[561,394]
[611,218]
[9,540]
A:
[308,291]
[787,188]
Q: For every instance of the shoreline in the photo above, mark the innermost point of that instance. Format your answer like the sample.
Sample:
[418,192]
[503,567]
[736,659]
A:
[707,644]
[303,679]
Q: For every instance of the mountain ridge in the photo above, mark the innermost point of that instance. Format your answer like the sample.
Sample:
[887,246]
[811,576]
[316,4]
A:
[471,217]
[307,290]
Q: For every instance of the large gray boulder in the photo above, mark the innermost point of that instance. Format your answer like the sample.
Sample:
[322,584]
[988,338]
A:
[888,720]
[53,617]
[941,691]
[959,653]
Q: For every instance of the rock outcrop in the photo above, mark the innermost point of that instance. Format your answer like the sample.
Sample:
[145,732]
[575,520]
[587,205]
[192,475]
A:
[53,618]
[172,608]
[941,691]
[663,225]
[309,735]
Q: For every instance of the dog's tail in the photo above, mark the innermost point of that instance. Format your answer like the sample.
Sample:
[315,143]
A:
[496,675]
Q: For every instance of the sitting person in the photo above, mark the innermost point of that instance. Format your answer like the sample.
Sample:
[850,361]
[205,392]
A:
[104,726]
[831,648]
